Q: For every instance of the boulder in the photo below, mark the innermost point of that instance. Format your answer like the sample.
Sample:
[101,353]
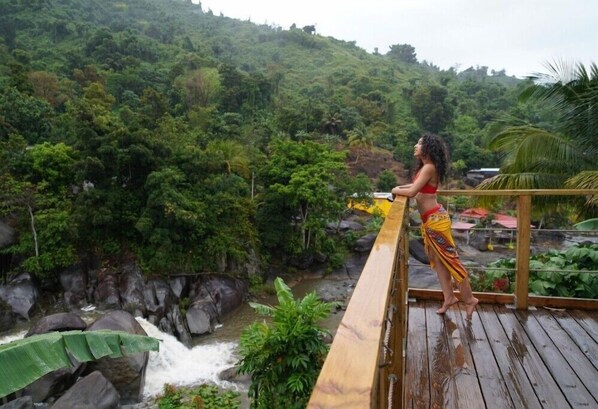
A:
[159,298]
[92,392]
[64,321]
[200,317]
[166,326]
[232,375]
[422,276]
[181,331]
[302,261]
[479,241]
[418,251]
[344,226]
[364,244]
[106,294]
[127,374]
[74,284]
[20,294]
[24,402]
[131,288]
[54,383]
[8,318]
[179,287]
[166,298]
[226,292]
[60,380]
[354,264]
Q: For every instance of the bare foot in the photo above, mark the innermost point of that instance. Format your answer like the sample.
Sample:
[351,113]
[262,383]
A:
[471,308]
[447,304]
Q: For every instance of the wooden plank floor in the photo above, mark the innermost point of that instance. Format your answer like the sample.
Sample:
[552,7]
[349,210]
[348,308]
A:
[503,358]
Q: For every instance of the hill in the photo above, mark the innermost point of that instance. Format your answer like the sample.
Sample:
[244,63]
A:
[126,125]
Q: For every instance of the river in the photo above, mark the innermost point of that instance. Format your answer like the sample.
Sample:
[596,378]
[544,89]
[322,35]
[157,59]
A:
[213,353]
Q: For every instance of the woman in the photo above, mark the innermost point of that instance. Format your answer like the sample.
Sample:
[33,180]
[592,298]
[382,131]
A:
[432,168]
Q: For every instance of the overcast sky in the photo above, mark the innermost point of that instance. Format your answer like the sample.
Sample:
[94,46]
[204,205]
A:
[520,36]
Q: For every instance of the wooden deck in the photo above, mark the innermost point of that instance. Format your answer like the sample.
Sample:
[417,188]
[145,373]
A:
[503,358]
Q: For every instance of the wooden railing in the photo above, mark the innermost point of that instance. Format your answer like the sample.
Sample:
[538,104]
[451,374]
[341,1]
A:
[365,365]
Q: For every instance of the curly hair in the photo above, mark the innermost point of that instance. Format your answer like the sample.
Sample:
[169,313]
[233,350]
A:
[434,148]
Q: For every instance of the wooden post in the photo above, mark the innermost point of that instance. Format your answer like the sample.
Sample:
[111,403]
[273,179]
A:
[524,206]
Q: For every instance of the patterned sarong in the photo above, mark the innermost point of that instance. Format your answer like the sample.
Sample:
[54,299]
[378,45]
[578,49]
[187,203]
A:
[436,231]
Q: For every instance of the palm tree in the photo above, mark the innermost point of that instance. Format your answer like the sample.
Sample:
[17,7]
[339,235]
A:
[333,123]
[232,155]
[535,158]
[360,139]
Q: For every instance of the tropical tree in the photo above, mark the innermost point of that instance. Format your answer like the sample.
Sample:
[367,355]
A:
[432,107]
[231,154]
[550,158]
[403,52]
[361,140]
[299,198]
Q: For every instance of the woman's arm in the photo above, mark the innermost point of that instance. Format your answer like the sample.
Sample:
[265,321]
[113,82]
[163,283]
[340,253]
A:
[425,174]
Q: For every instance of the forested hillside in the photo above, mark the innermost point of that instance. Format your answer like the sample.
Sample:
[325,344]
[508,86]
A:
[193,142]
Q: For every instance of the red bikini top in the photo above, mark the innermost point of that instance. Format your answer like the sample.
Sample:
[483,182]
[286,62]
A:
[428,188]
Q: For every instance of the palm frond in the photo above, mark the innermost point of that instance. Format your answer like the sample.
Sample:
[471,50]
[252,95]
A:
[511,181]
[589,224]
[571,91]
[585,180]
[528,148]
[26,360]
[516,181]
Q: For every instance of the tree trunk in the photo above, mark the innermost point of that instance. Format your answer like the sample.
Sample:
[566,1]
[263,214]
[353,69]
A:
[33,230]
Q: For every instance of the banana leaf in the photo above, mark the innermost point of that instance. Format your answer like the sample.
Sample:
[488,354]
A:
[26,360]
[590,224]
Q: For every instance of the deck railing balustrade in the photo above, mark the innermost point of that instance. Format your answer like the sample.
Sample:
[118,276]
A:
[365,365]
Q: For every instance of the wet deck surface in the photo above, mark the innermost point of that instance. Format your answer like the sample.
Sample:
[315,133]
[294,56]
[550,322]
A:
[503,359]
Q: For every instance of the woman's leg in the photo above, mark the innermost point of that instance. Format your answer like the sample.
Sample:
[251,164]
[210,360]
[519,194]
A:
[444,277]
[468,298]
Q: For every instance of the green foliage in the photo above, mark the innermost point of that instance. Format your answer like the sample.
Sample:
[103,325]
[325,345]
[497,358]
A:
[540,156]
[300,179]
[198,397]
[572,283]
[387,180]
[151,127]
[403,52]
[431,107]
[284,357]
[23,114]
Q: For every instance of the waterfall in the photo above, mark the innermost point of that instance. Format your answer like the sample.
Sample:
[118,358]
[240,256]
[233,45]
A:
[12,337]
[178,365]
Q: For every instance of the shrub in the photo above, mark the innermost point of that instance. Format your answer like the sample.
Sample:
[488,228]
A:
[569,279]
[284,357]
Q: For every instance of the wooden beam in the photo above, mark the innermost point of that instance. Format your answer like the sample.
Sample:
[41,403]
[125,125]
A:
[519,192]
[524,209]
[485,298]
[350,376]
[561,302]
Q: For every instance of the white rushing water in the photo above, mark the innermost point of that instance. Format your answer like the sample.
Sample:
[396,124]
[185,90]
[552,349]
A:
[12,337]
[178,365]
